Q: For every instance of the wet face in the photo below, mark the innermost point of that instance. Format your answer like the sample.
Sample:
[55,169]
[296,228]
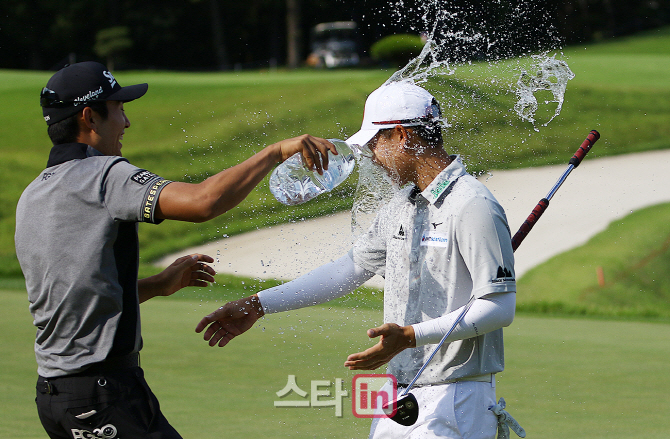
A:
[110,131]
[388,152]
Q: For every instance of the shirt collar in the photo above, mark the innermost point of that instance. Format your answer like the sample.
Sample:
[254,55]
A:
[70,151]
[442,184]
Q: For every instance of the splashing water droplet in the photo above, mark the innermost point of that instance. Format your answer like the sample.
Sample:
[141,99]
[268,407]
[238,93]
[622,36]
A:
[549,74]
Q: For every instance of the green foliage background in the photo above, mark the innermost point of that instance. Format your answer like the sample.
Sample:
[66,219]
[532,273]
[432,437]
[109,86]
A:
[192,125]
[397,49]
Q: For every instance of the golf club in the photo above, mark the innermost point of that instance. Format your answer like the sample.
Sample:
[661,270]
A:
[544,202]
[406,406]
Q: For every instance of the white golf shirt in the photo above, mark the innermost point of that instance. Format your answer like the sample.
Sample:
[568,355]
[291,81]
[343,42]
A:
[436,249]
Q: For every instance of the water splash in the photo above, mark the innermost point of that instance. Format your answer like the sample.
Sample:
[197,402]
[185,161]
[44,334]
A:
[427,64]
[374,189]
[485,79]
[549,74]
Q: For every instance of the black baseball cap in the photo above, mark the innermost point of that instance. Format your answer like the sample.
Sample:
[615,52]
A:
[72,87]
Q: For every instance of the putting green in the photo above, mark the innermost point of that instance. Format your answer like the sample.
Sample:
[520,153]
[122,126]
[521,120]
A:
[565,378]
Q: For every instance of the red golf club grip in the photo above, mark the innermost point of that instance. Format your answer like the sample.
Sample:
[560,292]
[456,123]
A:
[584,148]
[529,223]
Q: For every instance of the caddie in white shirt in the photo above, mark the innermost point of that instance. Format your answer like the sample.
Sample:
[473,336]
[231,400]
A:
[442,240]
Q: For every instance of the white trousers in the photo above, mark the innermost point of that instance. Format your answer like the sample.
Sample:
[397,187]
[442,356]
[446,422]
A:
[458,411]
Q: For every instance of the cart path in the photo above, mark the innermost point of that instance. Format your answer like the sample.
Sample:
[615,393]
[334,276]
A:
[598,192]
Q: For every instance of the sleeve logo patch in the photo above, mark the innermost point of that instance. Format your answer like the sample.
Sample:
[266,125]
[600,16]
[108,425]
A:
[143,177]
[151,200]
[503,275]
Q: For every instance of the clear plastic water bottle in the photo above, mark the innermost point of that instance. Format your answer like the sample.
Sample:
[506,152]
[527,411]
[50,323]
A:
[292,183]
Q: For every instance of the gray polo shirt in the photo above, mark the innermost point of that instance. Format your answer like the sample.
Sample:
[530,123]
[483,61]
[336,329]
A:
[436,249]
[76,241]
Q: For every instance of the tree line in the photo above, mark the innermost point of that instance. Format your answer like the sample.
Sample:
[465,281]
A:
[229,34]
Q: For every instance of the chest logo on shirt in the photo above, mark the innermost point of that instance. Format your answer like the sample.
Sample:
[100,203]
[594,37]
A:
[401,234]
[142,177]
[432,238]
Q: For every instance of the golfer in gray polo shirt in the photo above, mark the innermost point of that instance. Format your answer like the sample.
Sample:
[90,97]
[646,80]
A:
[442,242]
[76,241]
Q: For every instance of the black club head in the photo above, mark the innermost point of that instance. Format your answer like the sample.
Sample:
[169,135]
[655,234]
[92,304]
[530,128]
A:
[407,410]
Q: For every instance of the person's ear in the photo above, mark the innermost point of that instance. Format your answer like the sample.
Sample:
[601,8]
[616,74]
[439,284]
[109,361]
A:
[87,118]
[402,135]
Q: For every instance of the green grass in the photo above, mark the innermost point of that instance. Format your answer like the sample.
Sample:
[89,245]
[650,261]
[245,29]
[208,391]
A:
[634,255]
[564,378]
[573,378]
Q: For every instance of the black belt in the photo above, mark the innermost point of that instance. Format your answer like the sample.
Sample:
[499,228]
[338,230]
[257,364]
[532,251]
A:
[114,364]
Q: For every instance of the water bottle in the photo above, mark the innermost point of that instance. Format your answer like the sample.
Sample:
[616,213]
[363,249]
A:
[292,183]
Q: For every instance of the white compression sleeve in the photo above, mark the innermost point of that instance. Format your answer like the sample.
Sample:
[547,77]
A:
[486,314]
[328,282]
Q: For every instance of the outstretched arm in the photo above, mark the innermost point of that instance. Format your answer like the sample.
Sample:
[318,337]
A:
[225,190]
[321,285]
[487,314]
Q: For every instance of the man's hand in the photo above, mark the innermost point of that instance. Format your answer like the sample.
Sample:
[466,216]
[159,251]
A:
[187,271]
[314,150]
[231,320]
[394,339]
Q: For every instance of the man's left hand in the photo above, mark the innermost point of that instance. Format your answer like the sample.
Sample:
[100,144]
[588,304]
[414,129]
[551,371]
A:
[187,271]
[394,339]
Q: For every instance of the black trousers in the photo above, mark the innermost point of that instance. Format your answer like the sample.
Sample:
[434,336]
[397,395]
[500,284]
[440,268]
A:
[99,405]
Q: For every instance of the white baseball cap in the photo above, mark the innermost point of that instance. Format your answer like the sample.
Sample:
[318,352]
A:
[396,103]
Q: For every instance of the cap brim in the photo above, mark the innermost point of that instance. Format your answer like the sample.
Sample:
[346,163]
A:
[362,137]
[128,93]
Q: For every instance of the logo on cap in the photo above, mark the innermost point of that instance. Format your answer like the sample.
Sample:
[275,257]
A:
[110,78]
[90,96]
